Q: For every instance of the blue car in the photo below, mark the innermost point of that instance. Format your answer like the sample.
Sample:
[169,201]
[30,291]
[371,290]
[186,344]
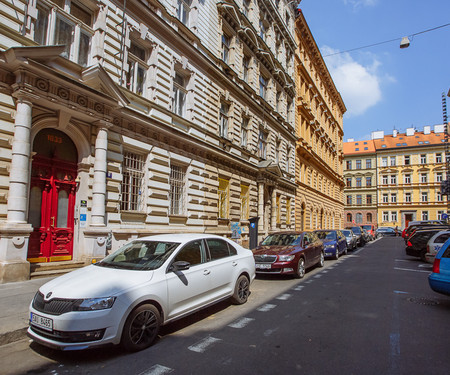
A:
[439,280]
[334,242]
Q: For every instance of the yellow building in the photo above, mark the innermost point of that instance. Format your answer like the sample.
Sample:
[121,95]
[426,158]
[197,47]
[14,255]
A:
[410,169]
[319,151]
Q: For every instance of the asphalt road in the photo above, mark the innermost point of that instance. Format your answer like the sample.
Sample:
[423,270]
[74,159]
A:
[370,312]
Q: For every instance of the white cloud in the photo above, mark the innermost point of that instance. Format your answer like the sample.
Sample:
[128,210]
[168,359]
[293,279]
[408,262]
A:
[359,85]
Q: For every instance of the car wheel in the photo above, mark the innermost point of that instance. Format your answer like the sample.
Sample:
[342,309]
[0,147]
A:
[300,273]
[241,290]
[141,328]
[336,255]
[322,259]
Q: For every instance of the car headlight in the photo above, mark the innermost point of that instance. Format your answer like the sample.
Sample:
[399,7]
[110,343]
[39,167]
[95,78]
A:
[91,304]
[285,258]
[329,246]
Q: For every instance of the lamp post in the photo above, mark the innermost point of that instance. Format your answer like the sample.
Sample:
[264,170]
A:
[447,152]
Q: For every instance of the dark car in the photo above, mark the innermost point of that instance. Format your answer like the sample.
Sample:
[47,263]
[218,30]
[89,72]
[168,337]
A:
[334,242]
[385,232]
[289,253]
[417,242]
[351,238]
[360,240]
[420,224]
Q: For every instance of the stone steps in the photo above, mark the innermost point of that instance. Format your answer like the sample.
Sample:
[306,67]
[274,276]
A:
[51,269]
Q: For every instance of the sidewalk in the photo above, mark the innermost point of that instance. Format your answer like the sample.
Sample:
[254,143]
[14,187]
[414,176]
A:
[15,299]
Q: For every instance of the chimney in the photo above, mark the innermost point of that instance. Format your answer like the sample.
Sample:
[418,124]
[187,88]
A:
[427,129]
[378,134]
[394,133]
[410,131]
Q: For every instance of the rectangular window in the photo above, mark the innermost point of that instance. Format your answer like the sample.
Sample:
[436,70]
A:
[137,67]
[393,161]
[393,197]
[262,144]
[359,199]
[54,26]
[368,199]
[439,197]
[177,190]
[439,215]
[423,159]
[384,180]
[368,181]
[132,182]
[348,182]
[384,161]
[408,197]
[424,196]
[348,164]
[179,97]
[223,121]
[358,164]
[393,180]
[224,193]
[368,163]
[407,160]
[244,131]
[245,68]
[349,199]
[439,177]
[407,178]
[423,177]
[226,42]
[424,215]
[438,158]
[385,215]
[358,181]
[245,200]
[183,10]
[393,215]
[385,198]
[262,86]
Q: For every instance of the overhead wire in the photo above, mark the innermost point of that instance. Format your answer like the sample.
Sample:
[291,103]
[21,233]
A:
[387,41]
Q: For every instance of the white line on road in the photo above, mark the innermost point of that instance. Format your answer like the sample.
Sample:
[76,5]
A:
[318,276]
[266,307]
[241,323]
[407,269]
[284,297]
[202,345]
[299,287]
[157,370]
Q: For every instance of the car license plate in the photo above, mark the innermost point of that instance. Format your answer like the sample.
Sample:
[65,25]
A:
[263,266]
[40,321]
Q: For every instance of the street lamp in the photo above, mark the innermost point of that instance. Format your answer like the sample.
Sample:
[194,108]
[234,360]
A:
[405,42]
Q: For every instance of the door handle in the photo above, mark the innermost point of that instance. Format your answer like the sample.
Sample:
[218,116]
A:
[206,272]
[234,264]
[52,221]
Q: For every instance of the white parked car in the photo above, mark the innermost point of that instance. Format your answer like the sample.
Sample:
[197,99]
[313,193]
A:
[126,297]
[435,243]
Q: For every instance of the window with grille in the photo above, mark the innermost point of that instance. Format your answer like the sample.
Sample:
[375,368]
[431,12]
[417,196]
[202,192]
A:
[132,182]
[245,206]
[179,94]
[177,190]
[55,26]
[223,193]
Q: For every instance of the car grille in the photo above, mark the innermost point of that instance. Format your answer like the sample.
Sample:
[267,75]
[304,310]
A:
[55,306]
[265,258]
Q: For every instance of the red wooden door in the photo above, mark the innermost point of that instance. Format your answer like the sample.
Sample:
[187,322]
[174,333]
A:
[51,213]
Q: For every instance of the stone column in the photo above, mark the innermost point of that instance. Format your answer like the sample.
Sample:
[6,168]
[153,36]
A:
[261,208]
[99,185]
[20,164]
[274,210]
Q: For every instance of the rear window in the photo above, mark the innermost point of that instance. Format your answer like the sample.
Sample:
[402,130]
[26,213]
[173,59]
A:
[442,238]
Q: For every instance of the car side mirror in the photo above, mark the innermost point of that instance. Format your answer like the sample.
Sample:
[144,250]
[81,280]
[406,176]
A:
[180,266]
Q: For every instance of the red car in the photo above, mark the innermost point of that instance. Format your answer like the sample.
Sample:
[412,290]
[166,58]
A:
[289,253]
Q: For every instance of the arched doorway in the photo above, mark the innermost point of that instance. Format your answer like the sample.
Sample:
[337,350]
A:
[52,197]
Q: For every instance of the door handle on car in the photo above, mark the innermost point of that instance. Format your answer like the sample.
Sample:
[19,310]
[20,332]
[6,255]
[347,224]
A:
[206,272]
[234,264]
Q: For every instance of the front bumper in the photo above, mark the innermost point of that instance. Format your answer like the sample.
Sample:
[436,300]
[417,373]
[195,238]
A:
[285,268]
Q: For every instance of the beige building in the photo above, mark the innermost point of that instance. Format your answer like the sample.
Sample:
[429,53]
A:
[319,128]
[161,117]
[360,178]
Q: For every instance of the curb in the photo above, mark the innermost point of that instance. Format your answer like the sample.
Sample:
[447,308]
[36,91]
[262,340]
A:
[9,337]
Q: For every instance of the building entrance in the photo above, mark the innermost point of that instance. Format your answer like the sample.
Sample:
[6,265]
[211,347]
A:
[52,197]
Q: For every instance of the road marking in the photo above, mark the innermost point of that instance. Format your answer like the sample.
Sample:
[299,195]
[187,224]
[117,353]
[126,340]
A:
[299,287]
[425,266]
[400,292]
[407,269]
[241,323]
[284,297]
[202,345]
[266,307]
[157,370]
[268,332]
[309,281]
[324,271]
[318,276]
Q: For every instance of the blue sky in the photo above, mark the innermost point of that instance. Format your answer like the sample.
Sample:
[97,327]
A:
[384,87]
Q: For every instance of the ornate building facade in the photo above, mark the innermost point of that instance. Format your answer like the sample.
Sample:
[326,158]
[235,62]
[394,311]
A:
[319,128]
[120,120]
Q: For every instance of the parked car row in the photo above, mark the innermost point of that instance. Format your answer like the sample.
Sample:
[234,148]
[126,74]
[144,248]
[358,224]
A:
[126,297]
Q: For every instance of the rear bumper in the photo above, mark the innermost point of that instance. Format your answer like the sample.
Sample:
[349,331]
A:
[439,283]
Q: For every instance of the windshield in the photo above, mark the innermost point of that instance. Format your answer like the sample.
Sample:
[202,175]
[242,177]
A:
[282,240]
[367,227]
[326,235]
[140,255]
[356,230]
[347,233]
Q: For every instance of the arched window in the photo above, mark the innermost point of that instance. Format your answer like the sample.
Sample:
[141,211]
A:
[349,217]
[369,217]
[358,218]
